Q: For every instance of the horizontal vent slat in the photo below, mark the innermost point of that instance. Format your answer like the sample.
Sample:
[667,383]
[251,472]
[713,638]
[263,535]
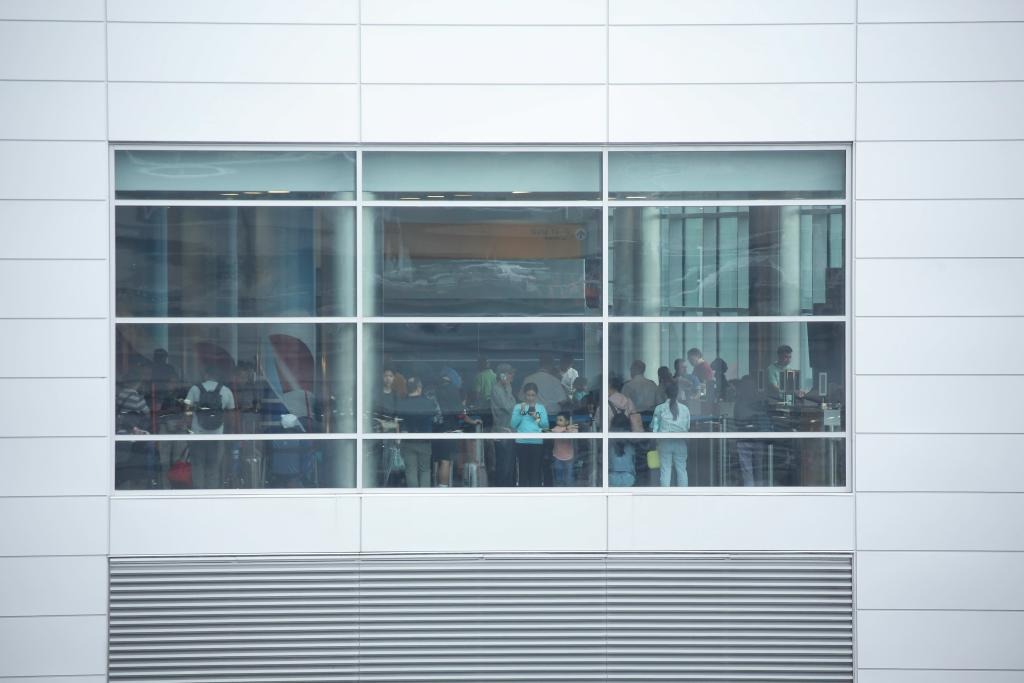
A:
[501,618]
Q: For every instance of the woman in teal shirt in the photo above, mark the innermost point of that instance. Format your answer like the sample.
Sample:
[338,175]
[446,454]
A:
[529,417]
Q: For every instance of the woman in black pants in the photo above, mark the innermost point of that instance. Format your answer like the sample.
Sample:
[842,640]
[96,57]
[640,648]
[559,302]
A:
[529,417]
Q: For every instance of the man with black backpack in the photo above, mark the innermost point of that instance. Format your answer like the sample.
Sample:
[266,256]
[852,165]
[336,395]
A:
[208,401]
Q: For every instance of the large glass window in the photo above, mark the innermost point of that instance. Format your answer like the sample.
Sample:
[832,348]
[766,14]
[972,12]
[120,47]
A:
[461,261]
[235,261]
[728,260]
[482,176]
[481,319]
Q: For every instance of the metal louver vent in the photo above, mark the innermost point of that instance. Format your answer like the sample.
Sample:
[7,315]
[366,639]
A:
[482,618]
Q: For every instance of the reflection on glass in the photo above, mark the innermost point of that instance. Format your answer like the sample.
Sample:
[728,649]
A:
[728,261]
[759,174]
[493,463]
[234,175]
[473,261]
[761,377]
[202,261]
[287,462]
[482,176]
[235,379]
[465,373]
[754,462]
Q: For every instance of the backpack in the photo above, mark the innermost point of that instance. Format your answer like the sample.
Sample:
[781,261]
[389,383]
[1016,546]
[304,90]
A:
[209,409]
[620,421]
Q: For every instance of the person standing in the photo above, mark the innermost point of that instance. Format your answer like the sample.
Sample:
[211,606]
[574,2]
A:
[530,417]
[672,416]
[416,416]
[503,401]
[208,401]
[640,390]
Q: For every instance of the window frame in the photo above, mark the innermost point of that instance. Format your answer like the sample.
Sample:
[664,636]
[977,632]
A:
[360,436]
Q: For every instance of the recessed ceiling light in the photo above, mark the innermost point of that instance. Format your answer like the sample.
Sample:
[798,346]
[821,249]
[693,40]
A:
[253,192]
[636,196]
[228,194]
[462,195]
[520,192]
[278,191]
[435,196]
[408,197]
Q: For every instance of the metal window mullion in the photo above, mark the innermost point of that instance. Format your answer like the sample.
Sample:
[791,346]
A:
[484,204]
[358,403]
[669,203]
[605,312]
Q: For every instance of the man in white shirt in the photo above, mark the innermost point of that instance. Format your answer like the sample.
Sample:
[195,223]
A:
[208,402]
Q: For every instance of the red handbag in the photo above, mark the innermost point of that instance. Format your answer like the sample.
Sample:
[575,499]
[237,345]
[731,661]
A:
[179,474]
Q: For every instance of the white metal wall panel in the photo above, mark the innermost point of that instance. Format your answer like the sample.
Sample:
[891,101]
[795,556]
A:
[483,54]
[235,112]
[66,10]
[225,523]
[210,53]
[55,467]
[923,228]
[53,526]
[54,348]
[60,586]
[924,405]
[940,170]
[930,340]
[948,462]
[940,287]
[66,407]
[940,52]
[54,289]
[940,640]
[483,113]
[940,521]
[935,676]
[483,618]
[809,112]
[39,111]
[52,646]
[482,523]
[53,170]
[947,581]
[939,10]
[61,229]
[638,522]
[51,50]
[731,11]
[228,11]
[940,111]
[484,13]
[731,54]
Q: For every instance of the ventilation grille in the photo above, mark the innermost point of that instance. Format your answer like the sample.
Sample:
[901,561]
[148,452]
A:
[482,618]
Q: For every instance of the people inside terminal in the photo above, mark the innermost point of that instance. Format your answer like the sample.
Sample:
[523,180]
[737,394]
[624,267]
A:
[474,345]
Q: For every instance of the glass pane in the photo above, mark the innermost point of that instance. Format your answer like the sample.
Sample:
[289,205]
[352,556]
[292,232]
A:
[472,262]
[494,463]
[445,377]
[201,261]
[727,462]
[763,377]
[482,176]
[727,260]
[798,174]
[235,379]
[154,174]
[280,463]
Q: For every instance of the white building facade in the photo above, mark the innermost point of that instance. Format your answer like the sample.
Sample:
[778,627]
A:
[910,545]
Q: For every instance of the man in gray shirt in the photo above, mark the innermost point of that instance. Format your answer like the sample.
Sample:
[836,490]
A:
[503,400]
[640,390]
